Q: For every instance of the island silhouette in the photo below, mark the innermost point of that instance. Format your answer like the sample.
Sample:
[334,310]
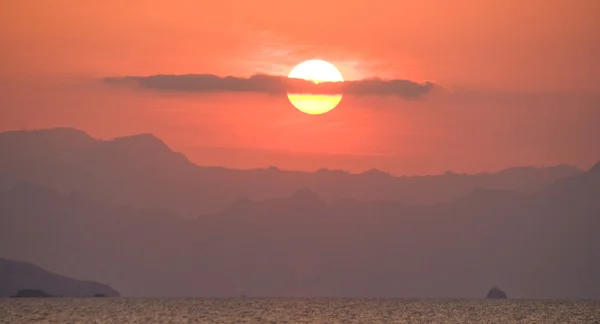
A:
[496,293]
[25,280]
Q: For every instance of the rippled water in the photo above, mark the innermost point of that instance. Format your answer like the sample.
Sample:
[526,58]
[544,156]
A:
[130,310]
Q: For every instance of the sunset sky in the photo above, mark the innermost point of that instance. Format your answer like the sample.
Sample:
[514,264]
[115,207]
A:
[516,81]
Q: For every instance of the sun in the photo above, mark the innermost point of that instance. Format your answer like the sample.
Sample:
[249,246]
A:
[315,71]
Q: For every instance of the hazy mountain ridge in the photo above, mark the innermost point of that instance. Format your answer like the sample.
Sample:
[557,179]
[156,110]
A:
[18,275]
[142,171]
[304,246]
[269,232]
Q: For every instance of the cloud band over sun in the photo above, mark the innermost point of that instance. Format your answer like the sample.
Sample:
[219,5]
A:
[269,84]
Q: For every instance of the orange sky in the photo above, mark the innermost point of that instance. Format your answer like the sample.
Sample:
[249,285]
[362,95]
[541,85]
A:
[523,77]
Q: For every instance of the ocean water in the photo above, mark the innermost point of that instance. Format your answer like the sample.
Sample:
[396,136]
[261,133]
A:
[369,311]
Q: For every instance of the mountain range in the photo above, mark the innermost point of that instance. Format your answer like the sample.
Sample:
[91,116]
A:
[142,171]
[71,204]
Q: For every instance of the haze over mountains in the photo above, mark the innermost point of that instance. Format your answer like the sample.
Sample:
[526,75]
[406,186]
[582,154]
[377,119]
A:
[533,232]
[141,171]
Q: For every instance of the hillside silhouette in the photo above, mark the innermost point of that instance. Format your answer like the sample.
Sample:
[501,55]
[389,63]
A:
[535,244]
[18,276]
[141,171]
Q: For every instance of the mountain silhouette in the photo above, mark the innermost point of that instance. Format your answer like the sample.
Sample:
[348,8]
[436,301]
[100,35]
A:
[29,279]
[532,243]
[141,171]
[595,169]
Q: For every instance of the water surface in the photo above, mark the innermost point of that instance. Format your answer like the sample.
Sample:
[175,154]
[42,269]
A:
[370,311]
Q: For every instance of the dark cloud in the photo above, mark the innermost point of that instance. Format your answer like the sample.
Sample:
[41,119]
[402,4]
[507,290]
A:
[204,83]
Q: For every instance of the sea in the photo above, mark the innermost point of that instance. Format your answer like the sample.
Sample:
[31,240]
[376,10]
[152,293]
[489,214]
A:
[265,310]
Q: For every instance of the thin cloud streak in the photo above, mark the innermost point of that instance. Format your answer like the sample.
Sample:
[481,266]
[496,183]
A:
[270,84]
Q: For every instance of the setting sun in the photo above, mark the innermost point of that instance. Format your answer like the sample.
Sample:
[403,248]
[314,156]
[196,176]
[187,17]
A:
[316,71]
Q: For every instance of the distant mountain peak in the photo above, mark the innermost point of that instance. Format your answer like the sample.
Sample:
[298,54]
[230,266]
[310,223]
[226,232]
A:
[332,171]
[376,172]
[141,138]
[564,169]
[146,149]
[595,169]
[305,194]
[47,131]
[141,141]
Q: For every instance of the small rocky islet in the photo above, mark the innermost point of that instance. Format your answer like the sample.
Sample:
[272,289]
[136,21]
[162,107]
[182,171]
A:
[496,293]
